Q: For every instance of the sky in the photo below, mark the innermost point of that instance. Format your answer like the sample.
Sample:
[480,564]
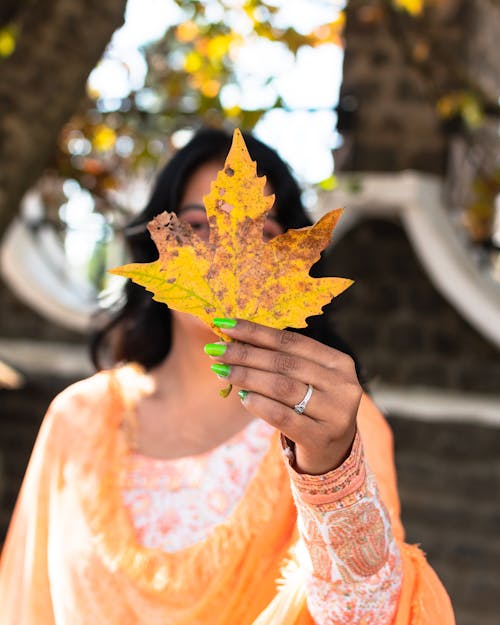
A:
[303,137]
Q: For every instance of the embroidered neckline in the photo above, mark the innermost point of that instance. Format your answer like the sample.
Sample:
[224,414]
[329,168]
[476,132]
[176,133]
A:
[192,568]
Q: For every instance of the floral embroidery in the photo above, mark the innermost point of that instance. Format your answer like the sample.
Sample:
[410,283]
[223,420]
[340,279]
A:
[353,554]
[175,503]
[370,602]
[358,539]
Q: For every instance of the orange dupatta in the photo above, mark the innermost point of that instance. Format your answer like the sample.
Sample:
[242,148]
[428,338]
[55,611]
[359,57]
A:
[71,557]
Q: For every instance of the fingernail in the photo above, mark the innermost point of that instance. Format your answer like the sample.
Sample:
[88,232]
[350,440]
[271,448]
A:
[222,370]
[215,349]
[221,322]
[243,394]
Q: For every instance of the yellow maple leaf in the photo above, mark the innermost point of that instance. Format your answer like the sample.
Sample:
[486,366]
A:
[236,273]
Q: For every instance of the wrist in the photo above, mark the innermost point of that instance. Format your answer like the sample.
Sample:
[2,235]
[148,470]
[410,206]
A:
[316,461]
[335,489]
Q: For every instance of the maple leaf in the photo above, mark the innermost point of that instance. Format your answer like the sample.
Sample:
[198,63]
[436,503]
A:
[236,273]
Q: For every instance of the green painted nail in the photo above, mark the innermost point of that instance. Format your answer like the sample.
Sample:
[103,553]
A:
[220,369]
[221,322]
[215,349]
[243,394]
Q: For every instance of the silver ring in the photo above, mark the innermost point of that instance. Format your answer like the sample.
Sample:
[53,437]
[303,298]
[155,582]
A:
[302,405]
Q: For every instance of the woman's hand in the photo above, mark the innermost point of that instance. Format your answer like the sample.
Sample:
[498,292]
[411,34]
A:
[275,367]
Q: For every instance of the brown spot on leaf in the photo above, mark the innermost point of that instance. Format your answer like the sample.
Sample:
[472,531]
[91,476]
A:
[229,171]
[222,206]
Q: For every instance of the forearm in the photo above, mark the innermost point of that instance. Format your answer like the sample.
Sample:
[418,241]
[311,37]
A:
[354,563]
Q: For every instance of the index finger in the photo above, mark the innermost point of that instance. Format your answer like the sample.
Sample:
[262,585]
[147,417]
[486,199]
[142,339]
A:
[285,341]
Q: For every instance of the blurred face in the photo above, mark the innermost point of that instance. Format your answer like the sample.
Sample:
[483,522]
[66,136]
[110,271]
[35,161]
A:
[192,211]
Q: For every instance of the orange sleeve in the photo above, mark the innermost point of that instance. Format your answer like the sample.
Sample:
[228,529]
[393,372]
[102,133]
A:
[356,565]
[422,599]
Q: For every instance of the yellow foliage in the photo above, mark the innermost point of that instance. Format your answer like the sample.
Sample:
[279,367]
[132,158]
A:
[210,88]
[235,273]
[414,7]
[104,138]
[201,45]
[463,103]
[329,33]
[218,46]
[193,62]
[186,32]
[232,111]
[328,184]
[7,42]
[92,93]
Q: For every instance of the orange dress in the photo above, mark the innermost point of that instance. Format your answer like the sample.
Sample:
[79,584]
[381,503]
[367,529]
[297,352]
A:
[351,562]
[72,554]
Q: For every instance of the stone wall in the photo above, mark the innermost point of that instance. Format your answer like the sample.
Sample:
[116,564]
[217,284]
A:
[387,106]
[407,335]
[21,413]
[449,477]
[404,332]
[396,70]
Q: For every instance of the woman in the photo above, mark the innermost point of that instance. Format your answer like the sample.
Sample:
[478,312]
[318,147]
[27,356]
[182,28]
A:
[151,499]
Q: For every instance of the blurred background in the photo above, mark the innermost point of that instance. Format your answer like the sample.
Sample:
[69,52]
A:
[390,108]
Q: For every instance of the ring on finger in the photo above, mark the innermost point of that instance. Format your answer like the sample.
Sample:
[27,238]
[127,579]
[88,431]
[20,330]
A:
[302,405]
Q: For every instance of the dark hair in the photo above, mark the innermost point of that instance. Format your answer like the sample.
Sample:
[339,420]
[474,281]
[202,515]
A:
[140,318]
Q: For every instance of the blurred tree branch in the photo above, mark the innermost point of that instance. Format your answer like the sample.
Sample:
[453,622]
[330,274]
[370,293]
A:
[10,9]
[43,81]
